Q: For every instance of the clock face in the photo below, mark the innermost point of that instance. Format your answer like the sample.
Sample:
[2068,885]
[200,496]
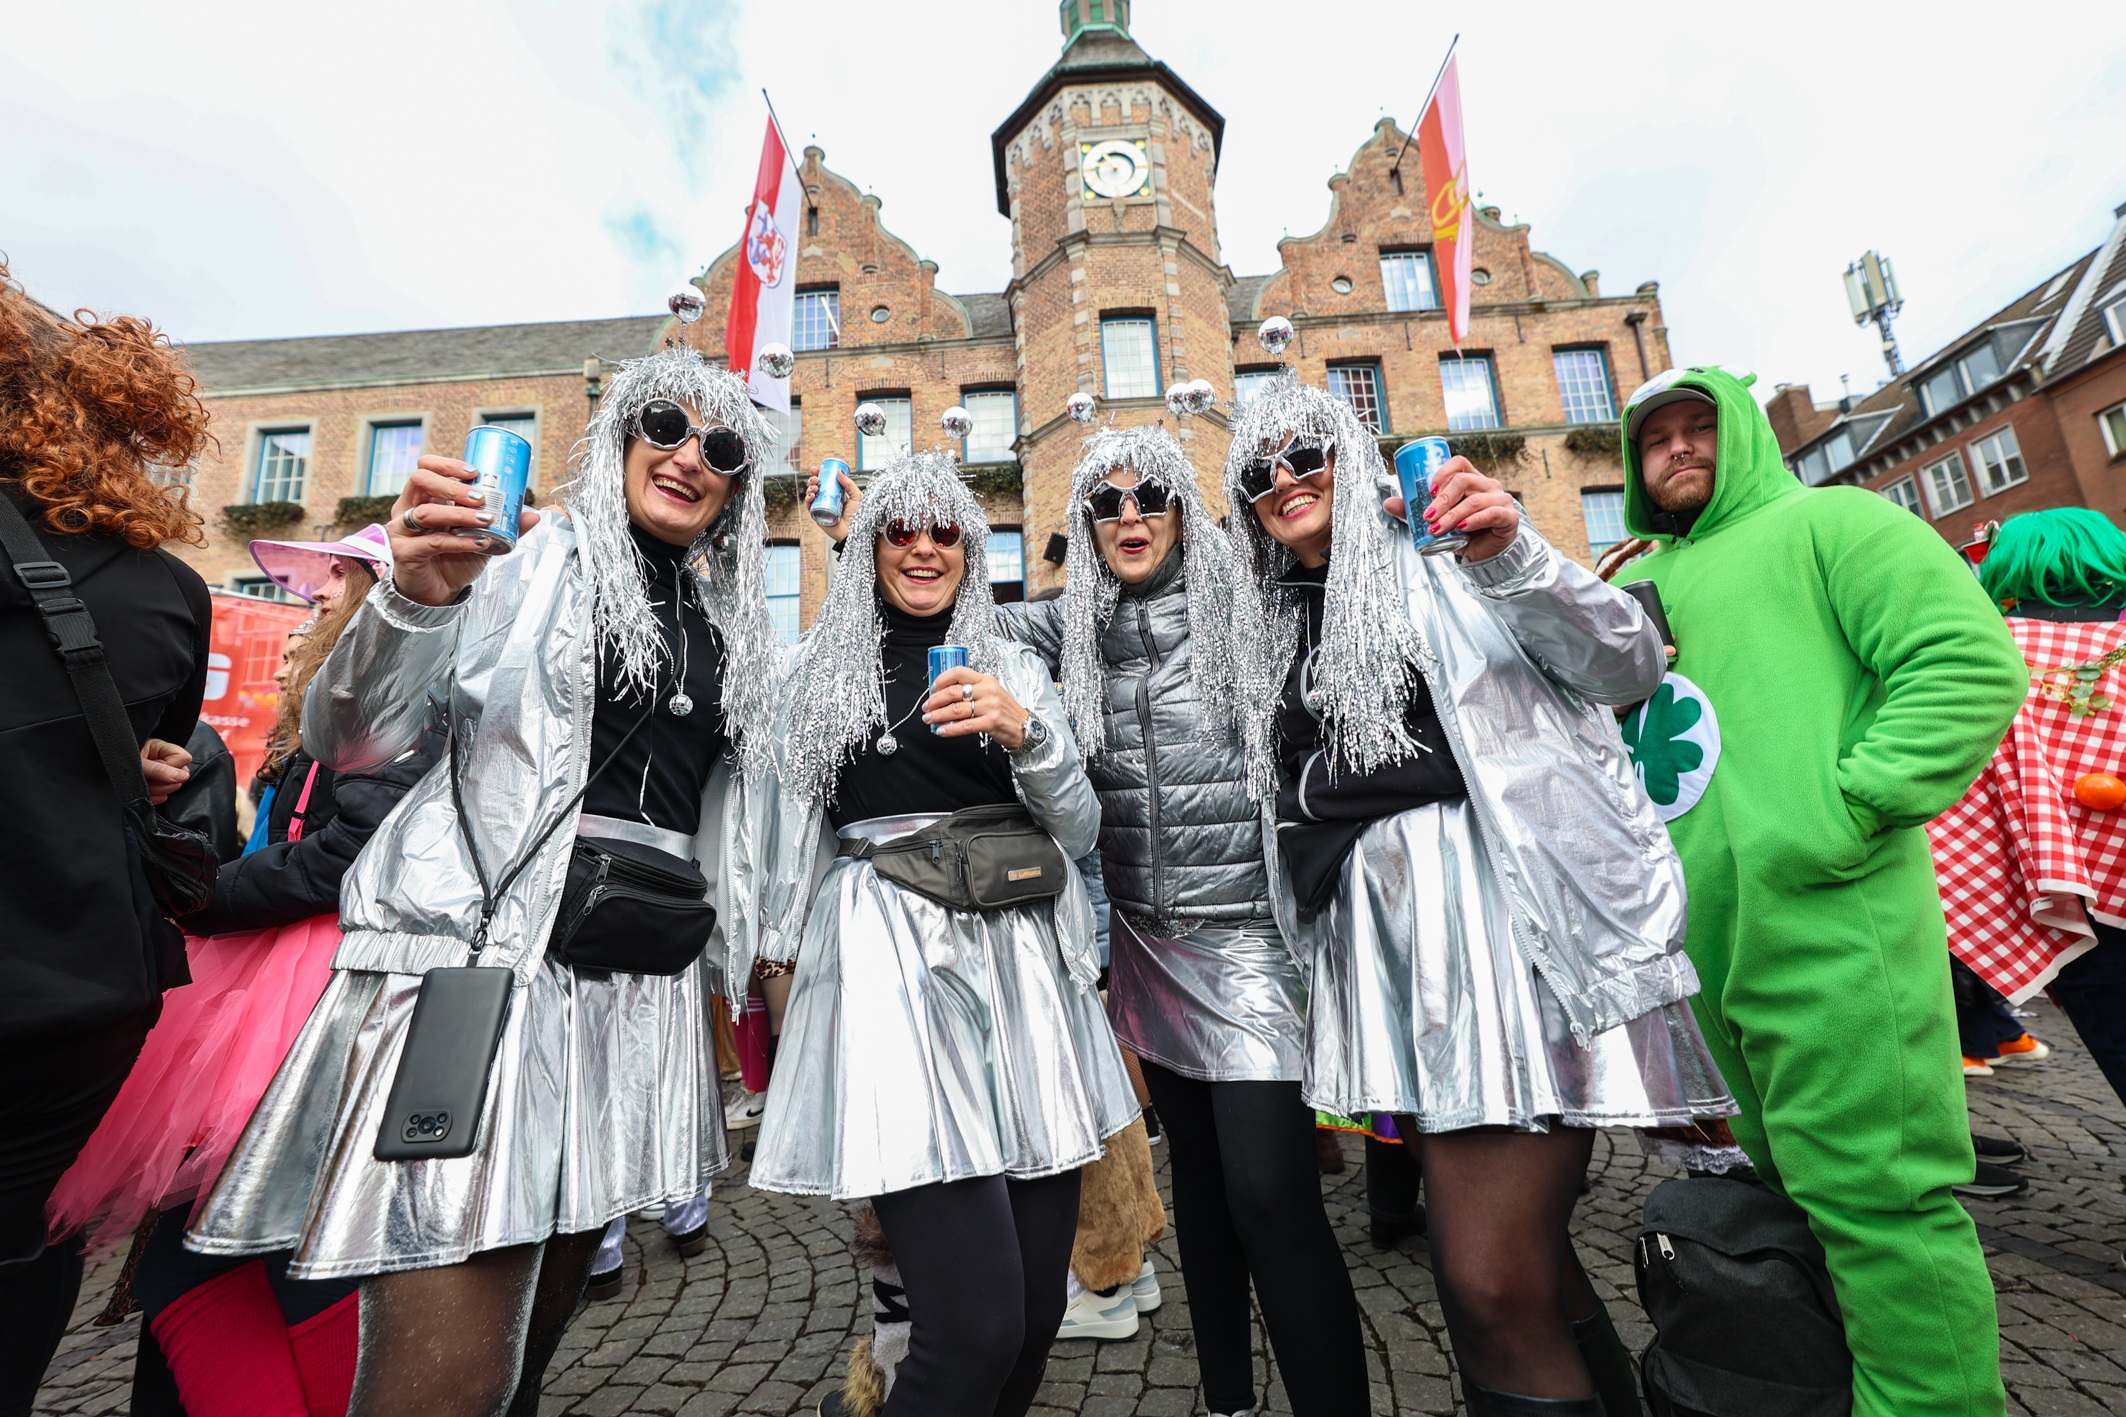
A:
[1116,168]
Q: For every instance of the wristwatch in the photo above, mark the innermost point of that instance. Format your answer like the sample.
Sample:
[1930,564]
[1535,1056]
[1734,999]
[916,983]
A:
[1035,734]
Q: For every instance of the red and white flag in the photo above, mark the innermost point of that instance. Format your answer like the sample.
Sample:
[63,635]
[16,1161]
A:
[1439,148]
[764,297]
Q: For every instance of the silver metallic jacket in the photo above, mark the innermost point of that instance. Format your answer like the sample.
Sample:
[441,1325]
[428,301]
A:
[795,843]
[1180,841]
[515,661]
[1522,652]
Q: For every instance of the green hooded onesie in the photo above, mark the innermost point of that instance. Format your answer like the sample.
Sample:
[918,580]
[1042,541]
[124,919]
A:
[1841,679]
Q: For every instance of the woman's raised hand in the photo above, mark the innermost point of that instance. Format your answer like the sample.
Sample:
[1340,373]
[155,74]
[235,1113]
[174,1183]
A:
[429,563]
[852,495]
[990,708]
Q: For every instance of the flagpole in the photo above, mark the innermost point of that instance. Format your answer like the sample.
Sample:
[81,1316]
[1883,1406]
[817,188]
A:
[1408,138]
[786,152]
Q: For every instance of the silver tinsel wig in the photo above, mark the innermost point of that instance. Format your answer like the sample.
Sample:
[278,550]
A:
[1158,459]
[835,697]
[729,559]
[1362,666]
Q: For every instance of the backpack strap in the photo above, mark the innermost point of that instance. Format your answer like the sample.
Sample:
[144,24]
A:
[73,634]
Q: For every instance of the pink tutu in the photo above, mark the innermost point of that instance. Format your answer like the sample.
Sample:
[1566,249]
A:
[205,1065]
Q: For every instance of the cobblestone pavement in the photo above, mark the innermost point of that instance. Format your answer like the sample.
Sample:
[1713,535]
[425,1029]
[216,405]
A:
[761,1322]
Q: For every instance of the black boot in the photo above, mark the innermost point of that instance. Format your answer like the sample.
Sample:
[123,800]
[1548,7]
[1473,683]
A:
[1512,1404]
[1616,1378]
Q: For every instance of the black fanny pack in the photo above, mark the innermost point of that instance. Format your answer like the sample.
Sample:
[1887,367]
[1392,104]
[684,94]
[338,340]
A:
[979,858]
[631,909]
[625,908]
[1314,855]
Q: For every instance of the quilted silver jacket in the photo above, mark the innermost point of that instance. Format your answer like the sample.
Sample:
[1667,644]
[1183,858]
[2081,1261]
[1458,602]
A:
[1179,840]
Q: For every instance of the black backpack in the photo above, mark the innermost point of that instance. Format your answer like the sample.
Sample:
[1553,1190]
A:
[1746,1321]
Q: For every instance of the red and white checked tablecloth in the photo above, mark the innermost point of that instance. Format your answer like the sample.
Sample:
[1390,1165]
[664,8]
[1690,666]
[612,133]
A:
[2018,859]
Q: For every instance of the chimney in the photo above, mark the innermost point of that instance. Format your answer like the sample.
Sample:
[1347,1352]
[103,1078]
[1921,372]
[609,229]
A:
[1793,416]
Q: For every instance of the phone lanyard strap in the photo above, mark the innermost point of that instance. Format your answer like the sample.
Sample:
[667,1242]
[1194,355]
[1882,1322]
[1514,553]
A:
[491,896]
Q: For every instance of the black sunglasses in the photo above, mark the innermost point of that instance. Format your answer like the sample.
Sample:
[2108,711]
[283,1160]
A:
[664,425]
[944,538]
[1259,477]
[1105,500]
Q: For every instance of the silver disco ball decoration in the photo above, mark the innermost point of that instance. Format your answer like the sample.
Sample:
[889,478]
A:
[1275,334]
[1080,407]
[1201,396]
[956,421]
[871,420]
[687,303]
[776,361]
[1179,401]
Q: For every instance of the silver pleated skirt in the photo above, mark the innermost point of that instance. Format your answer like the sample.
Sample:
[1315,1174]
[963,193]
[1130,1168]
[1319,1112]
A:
[1423,1005]
[602,1100]
[926,1044]
[1222,1003]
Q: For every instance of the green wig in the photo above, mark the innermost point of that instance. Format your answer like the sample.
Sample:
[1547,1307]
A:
[2065,556]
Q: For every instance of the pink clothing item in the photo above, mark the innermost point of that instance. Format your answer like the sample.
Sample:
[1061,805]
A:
[325,1347]
[228,1349]
[299,567]
[751,1034]
[201,1073]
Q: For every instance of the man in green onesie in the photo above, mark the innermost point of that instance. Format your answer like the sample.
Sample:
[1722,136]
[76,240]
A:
[1840,680]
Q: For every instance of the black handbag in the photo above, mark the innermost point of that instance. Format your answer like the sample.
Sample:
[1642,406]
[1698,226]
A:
[979,858]
[625,908]
[1314,855]
[1747,1324]
[179,863]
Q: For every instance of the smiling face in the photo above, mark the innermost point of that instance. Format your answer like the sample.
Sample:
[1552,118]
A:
[1136,545]
[1299,513]
[1679,444]
[673,495]
[920,578]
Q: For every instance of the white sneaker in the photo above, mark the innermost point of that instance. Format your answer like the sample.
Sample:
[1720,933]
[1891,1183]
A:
[744,1109]
[1145,1288]
[1091,1315]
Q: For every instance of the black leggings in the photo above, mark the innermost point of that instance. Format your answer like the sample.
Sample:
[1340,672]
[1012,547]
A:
[1247,1204]
[986,1264]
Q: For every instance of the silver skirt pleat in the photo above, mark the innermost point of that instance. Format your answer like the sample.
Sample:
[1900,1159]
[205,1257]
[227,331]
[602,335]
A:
[602,1100]
[1222,1003]
[1423,1005]
[927,1044]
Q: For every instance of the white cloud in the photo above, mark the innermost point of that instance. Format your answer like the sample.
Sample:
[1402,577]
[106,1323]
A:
[247,170]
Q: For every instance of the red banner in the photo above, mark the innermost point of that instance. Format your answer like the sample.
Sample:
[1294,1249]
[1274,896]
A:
[248,640]
[1439,148]
[764,295]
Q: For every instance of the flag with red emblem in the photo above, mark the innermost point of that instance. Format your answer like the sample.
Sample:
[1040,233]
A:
[1446,167]
[764,295]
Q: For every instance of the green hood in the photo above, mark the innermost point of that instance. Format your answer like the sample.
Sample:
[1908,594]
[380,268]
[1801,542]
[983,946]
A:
[1749,474]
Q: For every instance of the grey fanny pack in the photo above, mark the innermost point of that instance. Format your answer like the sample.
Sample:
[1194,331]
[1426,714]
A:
[979,858]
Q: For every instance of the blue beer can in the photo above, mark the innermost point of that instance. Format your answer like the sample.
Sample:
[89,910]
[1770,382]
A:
[942,658]
[503,462]
[827,506]
[1416,463]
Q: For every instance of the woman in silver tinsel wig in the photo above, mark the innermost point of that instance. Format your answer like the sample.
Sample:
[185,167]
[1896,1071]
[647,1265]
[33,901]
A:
[605,680]
[1496,911]
[1204,987]
[951,1065]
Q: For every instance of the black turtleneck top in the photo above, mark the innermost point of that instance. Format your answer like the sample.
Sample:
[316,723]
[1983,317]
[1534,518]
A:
[659,776]
[1305,792]
[926,773]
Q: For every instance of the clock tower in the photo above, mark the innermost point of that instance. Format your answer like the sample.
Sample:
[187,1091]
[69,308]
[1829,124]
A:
[1118,289]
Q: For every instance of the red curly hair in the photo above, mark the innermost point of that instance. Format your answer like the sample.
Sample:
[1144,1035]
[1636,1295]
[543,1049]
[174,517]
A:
[87,407]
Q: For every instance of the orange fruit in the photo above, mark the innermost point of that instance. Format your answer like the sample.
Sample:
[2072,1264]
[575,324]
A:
[2100,791]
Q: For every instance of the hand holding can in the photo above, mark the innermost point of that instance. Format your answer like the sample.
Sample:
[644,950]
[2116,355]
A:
[1416,464]
[832,495]
[441,507]
[942,658]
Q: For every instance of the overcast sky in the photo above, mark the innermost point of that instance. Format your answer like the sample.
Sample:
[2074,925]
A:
[241,171]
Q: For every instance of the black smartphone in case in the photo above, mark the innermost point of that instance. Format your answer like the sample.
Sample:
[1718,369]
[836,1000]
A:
[441,1084]
[1649,597]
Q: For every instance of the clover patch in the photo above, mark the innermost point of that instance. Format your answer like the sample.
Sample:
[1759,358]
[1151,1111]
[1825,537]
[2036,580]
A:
[1674,742]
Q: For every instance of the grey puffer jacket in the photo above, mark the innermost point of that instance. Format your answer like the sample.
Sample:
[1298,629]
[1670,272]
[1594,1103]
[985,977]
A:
[1179,840]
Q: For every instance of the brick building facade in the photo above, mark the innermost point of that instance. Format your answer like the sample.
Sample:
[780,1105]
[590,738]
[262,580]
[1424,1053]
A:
[1108,172]
[2026,410]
